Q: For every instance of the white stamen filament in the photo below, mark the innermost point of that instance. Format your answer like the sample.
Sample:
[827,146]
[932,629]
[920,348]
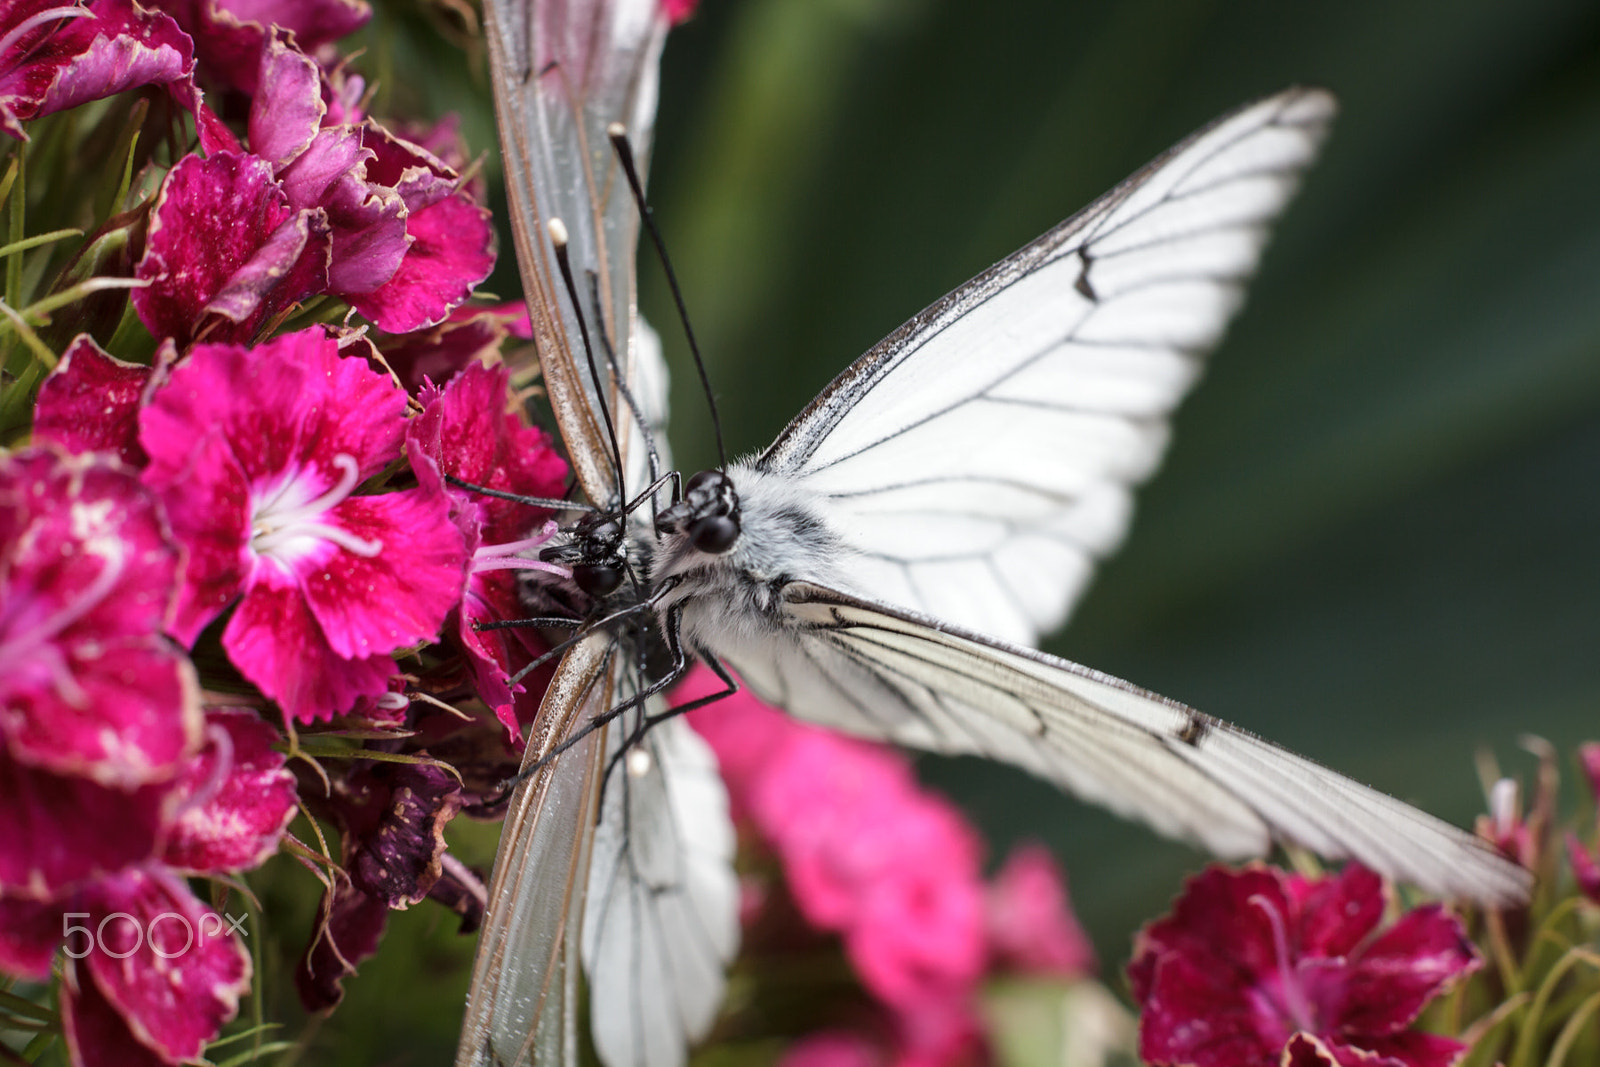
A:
[10,40]
[1294,997]
[504,557]
[1503,805]
[274,528]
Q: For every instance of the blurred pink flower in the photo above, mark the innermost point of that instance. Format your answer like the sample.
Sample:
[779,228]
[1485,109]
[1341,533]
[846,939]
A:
[88,573]
[1254,965]
[1030,922]
[152,972]
[257,455]
[865,851]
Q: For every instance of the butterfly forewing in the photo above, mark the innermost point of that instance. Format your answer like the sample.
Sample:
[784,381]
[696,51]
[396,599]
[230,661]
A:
[564,70]
[980,460]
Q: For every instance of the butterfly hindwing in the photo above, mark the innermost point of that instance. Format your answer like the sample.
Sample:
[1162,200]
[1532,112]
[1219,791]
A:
[893,674]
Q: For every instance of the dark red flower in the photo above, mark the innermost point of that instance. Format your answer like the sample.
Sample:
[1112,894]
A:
[1253,964]
[229,34]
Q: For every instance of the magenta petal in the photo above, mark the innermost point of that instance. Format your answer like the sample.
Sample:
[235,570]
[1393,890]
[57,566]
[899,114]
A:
[1188,1016]
[375,605]
[96,1033]
[1338,913]
[291,264]
[453,251]
[470,335]
[56,65]
[87,573]
[1414,1049]
[287,108]
[90,403]
[351,924]
[1409,964]
[181,976]
[59,831]
[30,932]
[276,643]
[232,822]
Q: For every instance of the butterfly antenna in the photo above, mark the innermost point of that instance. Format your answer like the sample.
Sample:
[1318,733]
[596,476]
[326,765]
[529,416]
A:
[619,142]
[558,238]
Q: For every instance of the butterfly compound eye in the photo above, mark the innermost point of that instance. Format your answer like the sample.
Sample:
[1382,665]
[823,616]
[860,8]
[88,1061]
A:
[714,534]
[702,479]
[597,579]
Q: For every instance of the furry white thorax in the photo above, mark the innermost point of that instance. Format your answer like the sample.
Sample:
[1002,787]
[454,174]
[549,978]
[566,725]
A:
[733,598]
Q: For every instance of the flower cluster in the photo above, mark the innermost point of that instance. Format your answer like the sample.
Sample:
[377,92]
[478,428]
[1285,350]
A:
[235,585]
[894,871]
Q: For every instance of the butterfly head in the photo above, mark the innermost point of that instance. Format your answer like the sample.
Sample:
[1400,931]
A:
[595,554]
[708,514]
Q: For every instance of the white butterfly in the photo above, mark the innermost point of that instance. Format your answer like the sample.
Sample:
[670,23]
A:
[882,567]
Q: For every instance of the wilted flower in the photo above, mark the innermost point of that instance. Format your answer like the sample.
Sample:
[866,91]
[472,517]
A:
[56,55]
[1256,965]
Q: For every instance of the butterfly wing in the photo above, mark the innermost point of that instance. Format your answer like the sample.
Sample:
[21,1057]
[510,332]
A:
[523,1004]
[661,852]
[980,460]
[661,913]
[888,673]
[563,71]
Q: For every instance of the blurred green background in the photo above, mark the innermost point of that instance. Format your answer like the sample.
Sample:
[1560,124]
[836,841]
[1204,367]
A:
[1375,538]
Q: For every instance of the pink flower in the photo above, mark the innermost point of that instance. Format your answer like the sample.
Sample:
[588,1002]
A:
[470,431]
[91,689]
[257,455]
[1256,965]
[1030,922]
[55,56]
[153,973]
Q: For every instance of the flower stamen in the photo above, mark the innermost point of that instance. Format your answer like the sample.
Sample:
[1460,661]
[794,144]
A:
[275,528]
[1294,997]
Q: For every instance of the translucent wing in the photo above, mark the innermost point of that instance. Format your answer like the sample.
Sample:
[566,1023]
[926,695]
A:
[980,459]
[885,673]
[661,916]
[563,71]
[522,1008]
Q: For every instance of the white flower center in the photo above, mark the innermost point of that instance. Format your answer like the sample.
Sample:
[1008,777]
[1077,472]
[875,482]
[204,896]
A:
[285,526]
